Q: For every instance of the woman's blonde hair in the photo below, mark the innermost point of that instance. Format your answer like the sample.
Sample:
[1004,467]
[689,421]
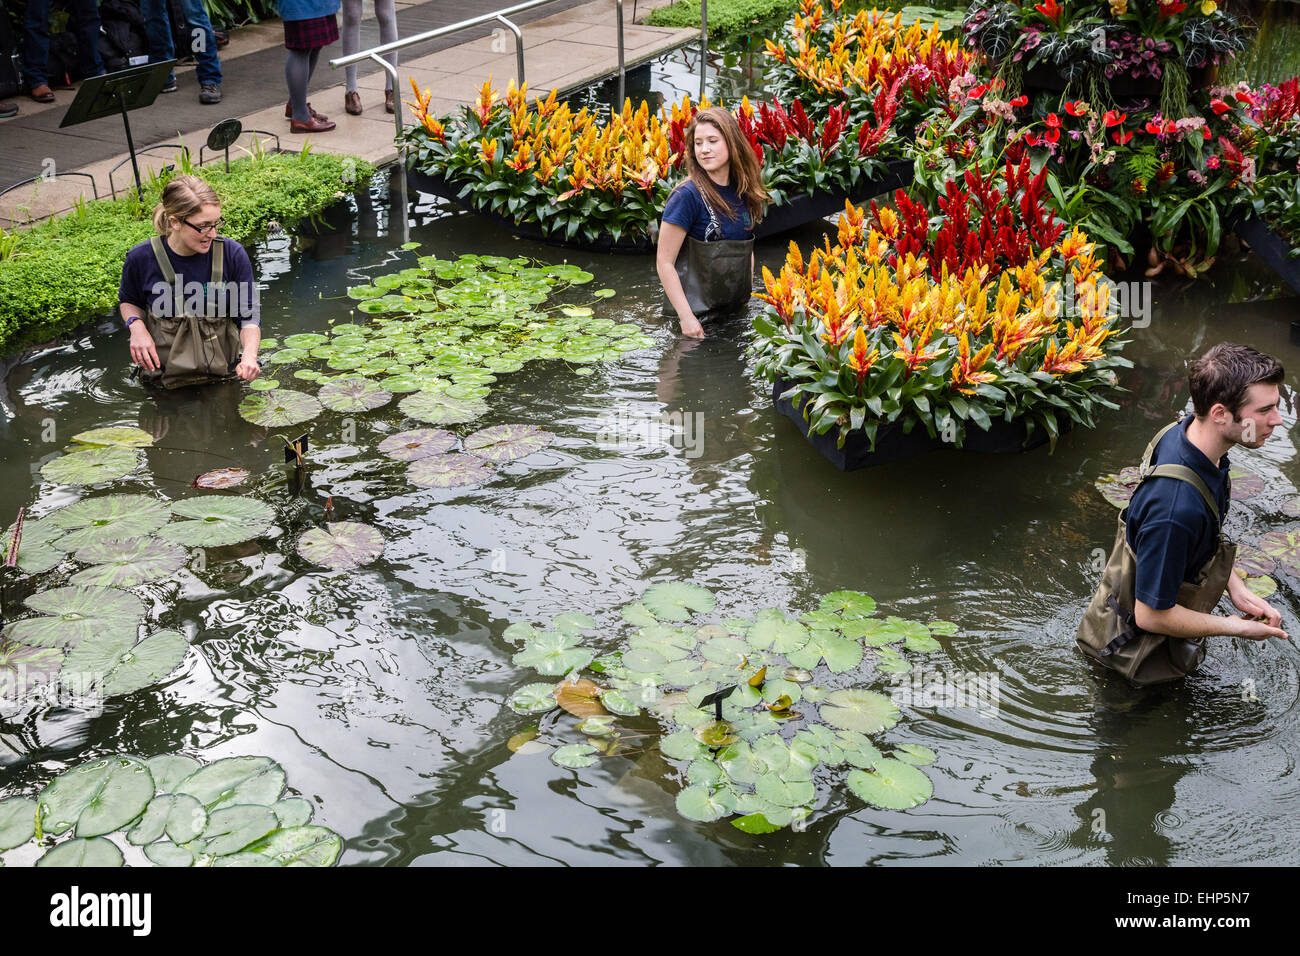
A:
[183,197]
[746,175]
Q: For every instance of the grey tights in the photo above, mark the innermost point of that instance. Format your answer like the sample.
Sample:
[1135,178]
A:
[297,71]
[386,14]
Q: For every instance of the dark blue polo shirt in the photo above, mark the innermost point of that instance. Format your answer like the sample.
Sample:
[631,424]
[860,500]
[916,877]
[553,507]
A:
[143,283]
[1170,528]
[686,208]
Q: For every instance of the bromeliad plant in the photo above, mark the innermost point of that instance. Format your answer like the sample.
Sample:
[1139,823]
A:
[900,325]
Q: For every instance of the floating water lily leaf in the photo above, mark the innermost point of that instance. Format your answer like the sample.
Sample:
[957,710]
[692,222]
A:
[417,443]
[890,661]
[96,852]
[849,603]
[784,793]
[17,822]
[305,340]
[301,846]
[222,478]
[233,828]
[293,811]
[603,293]
[862,710]
[915,754]
[1265,586]
[449,471]
[704,804]
[921,643]
[179,816]
[97,797]
[440,408]
[235,780]
[1284,548]
[533,699]
[617,702]
[571,622]
[507,442]
[1118,488]
[580,698]
[92,466]
[166,853]
[552,653]
[756,824]
[840,653]
[170,769]
[893,785]
[353,394]
[943,627]
[518,633]
[75,613]
[638,615]
[341,545]
[145,663]
[282,406]
[1254,561]
[217,521]
[716,733]
[108,517]
[1245,484]
[264,384]
[797,674]
[123,436]
[675,600]
[37,550]
[128,562]
[574,756]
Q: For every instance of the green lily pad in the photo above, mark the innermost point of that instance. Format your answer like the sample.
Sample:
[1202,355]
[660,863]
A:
[37,550]
[705,805]
[862,710]
[96,852]
[170,769]
[217,521]
[915,754]
[108,517]
[840,653]
[1264,586]
[123,436]
[263,384]
[554,654]
[449,471]
[440,408]
[305,340]
[179,816]
[293,811]
[574,756]
[890,661]
[756,824]
[533,699]
[17,822]
[77,612]
[92,466]
[849,603]
[282,406]
[1245,484]
[784,793]
[231,829]
[166,853]
[341,545]
[1119,488]
[128,562]
[417,443]
[235,780]
[97,797]
[675,600]
[121,666]
[301,846]
[353,394]
[507,442]
[1254,561]
[892,785]
[716,733]
[617,702]
[946,628]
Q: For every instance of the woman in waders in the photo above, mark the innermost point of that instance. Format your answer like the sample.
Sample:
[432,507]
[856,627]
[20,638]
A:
[1171,564]
[188,296]
[705,258]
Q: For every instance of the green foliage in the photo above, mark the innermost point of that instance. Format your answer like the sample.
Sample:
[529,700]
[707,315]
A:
[726,17]
[59,273]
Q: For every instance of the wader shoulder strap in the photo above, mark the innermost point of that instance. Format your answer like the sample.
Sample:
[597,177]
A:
[1151,448]
[1183,473]
[714,226]
[218,260]
[169,274]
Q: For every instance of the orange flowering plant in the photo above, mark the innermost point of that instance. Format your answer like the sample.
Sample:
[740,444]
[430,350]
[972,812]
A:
[863,335]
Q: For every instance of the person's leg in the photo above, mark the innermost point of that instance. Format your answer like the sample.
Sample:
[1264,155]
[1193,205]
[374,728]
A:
[297,70]
[386,14]
[203,42]
[36,43]
[85,21]
[158,29]
[351,37]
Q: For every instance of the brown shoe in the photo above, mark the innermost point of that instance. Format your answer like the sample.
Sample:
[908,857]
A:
[315,126]
[352,103]
[42,94]
[288,112]
[388,101]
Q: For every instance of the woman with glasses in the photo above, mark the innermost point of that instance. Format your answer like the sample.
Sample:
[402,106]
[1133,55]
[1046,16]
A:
[188,296]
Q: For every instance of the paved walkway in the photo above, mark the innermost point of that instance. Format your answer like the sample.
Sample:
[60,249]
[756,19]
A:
[567,44]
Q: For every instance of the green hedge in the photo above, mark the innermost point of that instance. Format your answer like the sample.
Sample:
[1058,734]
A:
[726,17]
[59,274]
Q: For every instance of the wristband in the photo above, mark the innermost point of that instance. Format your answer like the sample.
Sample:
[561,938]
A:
[130,319]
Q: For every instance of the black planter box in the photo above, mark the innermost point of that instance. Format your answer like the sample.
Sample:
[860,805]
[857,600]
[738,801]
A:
[892,444]
[1272,248]
[799,211]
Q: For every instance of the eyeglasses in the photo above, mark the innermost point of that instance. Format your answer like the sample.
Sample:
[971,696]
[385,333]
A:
[205,226]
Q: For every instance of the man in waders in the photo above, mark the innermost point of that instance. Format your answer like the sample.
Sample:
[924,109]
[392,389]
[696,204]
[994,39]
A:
[1170,564]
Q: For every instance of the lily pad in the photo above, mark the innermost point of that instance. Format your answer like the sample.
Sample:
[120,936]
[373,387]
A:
[301,846]
[449,471]
[1245,484]
[170,769]
[293,811]
[439,408]
[1118,488]
[615,701]
[862,710]
[281,406]
[574,756]
[179,816]
[580,698]
[705,805]
[123,436]
[915,754]
[507,442]
[217,521]
[553,654]
[92,466]
[716,733]
[1254,561]
[353,394]
[17,822]
[233,828]
[37,551]
[892,785]
[1264,586]
[849,603]
[97,797]
[341,545]
[108,517]
[128,562]
[675,600]
[75,613]
[96,852]
[222,478]
[417,443]
[533,699]
[235,780]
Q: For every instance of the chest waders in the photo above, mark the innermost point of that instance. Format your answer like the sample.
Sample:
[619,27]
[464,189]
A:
[193,349]
[1110,635]
[716,276]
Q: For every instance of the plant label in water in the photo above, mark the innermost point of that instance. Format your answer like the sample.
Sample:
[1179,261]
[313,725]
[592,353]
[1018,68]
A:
[294,450]
[716,699]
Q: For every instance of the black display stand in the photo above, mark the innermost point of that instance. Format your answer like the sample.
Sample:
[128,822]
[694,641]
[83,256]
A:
[119,92]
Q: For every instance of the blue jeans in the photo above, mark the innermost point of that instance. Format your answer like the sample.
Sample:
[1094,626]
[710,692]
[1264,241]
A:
[36,39]
[158,27]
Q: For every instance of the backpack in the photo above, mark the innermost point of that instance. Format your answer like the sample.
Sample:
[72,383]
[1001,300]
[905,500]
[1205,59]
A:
[122,35]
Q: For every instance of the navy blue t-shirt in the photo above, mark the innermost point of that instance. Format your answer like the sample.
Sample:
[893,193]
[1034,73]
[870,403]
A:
[143,284]
[1170,528]
[686,208]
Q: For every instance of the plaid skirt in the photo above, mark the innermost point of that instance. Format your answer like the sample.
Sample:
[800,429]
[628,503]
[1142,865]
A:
[310,34]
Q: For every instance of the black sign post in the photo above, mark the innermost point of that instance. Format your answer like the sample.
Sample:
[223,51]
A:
[119,92]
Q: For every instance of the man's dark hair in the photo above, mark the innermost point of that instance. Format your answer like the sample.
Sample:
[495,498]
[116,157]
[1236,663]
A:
[1224,373]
